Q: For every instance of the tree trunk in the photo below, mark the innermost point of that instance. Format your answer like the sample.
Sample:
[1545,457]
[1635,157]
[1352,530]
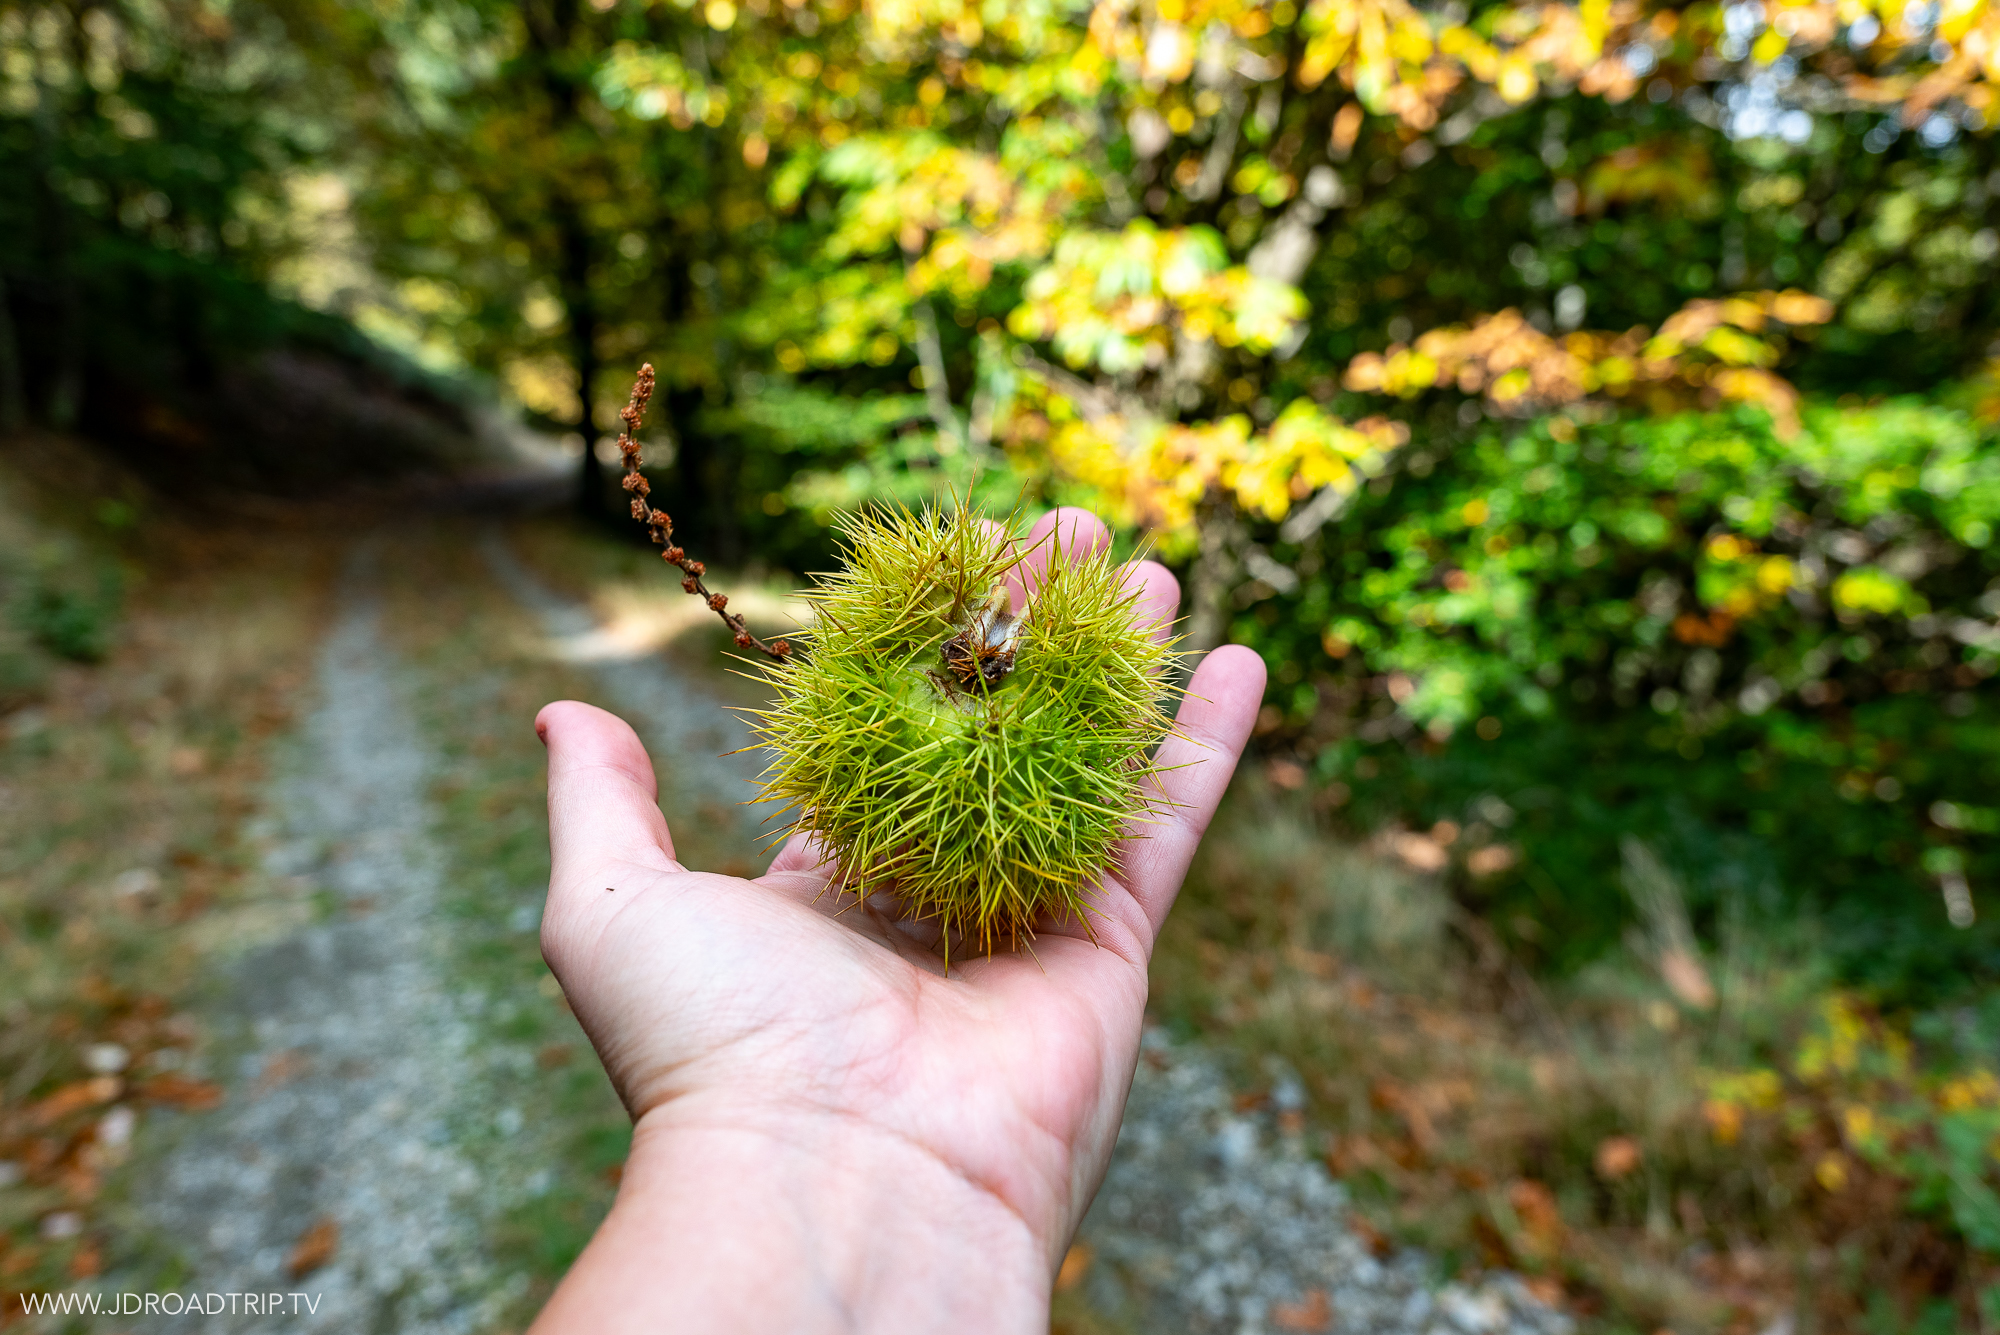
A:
[590,485]
[937,393]
[1213,576]
[65,394]
[13,394]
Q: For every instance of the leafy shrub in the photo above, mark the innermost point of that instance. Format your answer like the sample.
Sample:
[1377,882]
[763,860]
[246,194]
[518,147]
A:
[1871,1128]
[70,622]
[64,604]
[1770,658]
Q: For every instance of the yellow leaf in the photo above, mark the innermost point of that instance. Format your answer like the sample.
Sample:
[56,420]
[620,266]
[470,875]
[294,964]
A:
[1517,82]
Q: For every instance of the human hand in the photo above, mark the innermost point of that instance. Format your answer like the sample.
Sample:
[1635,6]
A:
[830,1132]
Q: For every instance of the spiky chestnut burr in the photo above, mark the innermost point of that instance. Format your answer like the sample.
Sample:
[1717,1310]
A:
[978,758]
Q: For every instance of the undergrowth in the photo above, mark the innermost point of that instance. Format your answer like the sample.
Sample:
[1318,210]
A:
[1667,1139]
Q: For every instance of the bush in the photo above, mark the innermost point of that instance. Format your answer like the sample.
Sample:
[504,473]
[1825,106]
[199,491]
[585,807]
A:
[71,613]
[1770,658]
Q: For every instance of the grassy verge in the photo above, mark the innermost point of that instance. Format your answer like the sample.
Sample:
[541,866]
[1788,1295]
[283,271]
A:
[483,667]
[131,752]
[480,673]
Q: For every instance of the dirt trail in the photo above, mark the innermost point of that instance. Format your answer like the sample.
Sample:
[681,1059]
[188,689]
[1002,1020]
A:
[356,1059]
[361,1067]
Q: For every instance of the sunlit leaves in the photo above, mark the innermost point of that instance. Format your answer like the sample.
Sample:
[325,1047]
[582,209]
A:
[1118,300]
[654,84]
[1707,345]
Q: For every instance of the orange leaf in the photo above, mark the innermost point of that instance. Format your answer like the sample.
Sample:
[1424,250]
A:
[1617,1156]
[1314,1313]
[180,1091]
[73,1098]
[1541,1223]
[88,1262]
[314,1249]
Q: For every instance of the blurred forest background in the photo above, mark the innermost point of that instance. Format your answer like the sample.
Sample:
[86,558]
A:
[1590,411]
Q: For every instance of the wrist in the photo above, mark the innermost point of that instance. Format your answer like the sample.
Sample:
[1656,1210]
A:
[747,1220]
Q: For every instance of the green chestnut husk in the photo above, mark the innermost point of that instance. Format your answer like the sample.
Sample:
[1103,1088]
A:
[980,760]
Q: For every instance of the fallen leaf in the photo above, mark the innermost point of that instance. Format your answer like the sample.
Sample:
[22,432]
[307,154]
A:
[88,1262]
[187,761]
[281,1067]
[1378,1243]
[1286,774]
[1389,1095]
[314,1249]
[1317,963]
[1418,852]
[180,1092]
[1076,1264]
[75,1097]
[1314,1313]
[1541,1222]
[1617,1156]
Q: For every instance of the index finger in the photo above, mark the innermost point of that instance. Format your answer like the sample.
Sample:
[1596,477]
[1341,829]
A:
[1195,763]
[601,791]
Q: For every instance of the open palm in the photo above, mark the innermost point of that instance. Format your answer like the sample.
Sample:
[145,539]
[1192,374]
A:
[753,1023]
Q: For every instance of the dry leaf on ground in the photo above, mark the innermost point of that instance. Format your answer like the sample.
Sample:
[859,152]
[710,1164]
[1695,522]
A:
[314,1249]
[1315,1312]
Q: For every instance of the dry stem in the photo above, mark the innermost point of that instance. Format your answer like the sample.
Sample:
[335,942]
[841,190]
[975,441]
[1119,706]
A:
[661,527]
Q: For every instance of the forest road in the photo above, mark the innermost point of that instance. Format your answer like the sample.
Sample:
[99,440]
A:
[334,1168]
[330,1170]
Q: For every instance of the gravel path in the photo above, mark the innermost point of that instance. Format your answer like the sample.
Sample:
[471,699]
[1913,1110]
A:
[356,1058]
[1214,1220]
